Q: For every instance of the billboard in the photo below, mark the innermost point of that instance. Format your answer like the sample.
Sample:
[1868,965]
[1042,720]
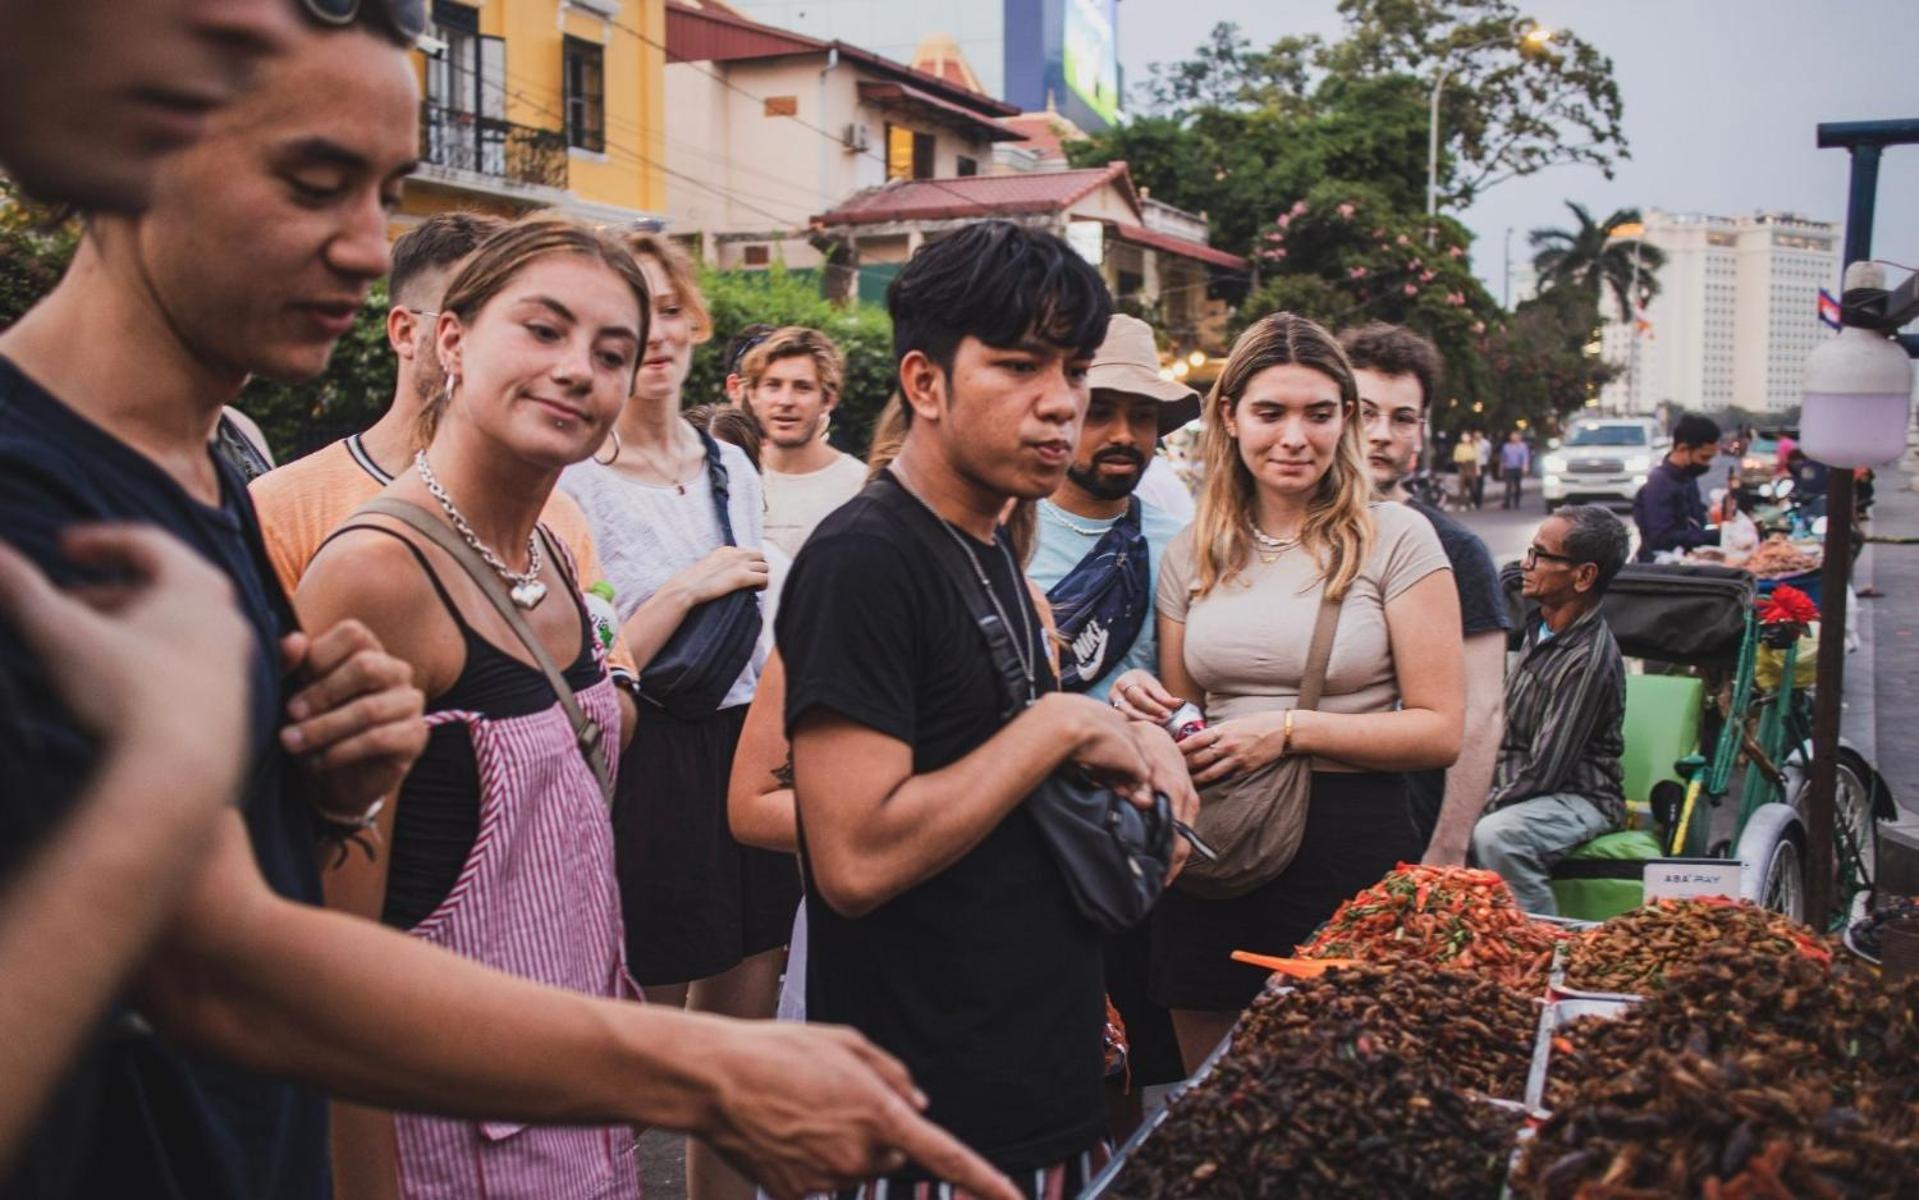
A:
[1091,55]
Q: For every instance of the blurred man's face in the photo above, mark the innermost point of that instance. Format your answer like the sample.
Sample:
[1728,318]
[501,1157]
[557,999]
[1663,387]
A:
[1393,409]
[95,93]
[264,237]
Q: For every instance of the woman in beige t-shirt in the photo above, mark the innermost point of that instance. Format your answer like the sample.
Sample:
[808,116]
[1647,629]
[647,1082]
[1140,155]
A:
[1286,514]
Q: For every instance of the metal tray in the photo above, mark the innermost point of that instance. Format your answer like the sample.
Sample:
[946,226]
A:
[1558,989]
[1552,1018]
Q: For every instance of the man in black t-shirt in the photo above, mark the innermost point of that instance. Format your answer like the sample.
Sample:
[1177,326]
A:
[939,924]
[1397,371]
[255,256]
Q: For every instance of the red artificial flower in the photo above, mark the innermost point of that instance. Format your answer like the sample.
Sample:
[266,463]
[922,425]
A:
[1788,606]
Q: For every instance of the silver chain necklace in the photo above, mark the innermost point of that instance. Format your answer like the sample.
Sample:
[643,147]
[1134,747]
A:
[1053,513]
[1024,648]
[526,589]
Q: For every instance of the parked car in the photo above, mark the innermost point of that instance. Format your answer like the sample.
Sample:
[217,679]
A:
[1602,459]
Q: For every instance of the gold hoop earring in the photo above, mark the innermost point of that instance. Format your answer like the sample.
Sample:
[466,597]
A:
[607,462]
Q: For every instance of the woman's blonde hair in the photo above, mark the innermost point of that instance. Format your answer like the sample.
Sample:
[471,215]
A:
[680,275]
[1338,531]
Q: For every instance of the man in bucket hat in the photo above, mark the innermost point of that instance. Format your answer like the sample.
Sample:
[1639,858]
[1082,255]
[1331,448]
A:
[1097,556]
[1098,550]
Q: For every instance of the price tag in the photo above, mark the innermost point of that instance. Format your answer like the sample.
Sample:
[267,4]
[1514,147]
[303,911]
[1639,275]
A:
[1678,878]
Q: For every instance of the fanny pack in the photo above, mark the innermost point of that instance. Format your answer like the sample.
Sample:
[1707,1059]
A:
[697,667]
[1101,604]
[1113,854]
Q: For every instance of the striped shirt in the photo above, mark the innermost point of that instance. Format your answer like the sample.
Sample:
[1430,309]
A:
[1565,704]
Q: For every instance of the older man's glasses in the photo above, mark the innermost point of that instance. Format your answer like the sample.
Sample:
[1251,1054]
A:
[1534,553]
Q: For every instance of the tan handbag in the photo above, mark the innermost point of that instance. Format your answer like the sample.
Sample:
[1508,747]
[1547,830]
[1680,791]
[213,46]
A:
[1255,820]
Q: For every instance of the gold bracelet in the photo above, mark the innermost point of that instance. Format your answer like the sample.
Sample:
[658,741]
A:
[1286,734]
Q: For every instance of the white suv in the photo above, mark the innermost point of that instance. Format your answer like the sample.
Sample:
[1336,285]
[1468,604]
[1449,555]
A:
[1602,459]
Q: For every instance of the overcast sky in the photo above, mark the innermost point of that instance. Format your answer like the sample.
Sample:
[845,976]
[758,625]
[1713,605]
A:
[1721,99]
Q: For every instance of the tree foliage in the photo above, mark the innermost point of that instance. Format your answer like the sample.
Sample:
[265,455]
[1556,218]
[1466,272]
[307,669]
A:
[1235,128]
[778,296]
[36,244]
[1596,257]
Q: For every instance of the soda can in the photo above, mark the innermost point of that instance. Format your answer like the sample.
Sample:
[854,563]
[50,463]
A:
[1186,721]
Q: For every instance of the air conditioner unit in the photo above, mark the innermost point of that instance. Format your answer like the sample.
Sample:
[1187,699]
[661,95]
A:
[855,138]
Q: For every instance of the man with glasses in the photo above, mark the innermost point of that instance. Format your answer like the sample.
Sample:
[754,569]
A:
[1397,372]
[1558,783]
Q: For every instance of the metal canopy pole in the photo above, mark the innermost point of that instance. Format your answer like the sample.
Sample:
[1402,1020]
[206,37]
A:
[1864,140]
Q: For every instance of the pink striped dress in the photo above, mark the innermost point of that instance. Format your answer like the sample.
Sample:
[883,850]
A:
[536,897]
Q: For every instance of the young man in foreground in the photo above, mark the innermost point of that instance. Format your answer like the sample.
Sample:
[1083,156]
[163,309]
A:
[260,245]
[940,925]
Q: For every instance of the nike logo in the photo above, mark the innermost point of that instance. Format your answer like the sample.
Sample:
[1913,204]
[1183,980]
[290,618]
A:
[1089,650]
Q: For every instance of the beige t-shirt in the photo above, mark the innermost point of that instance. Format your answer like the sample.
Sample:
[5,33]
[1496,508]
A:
[796,503]
[1246,642]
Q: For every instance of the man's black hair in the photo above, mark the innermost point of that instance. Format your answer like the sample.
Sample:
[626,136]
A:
[1594,535]
[1001,283]
[743,342]
[1695,430]
[1395,350]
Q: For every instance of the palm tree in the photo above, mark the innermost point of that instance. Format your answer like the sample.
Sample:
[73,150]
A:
[1596,257]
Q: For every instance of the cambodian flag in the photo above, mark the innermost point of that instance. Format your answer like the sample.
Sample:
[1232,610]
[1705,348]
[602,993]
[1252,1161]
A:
[1828,308]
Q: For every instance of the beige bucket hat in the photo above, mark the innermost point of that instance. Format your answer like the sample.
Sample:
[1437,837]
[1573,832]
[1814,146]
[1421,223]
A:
[1128,361]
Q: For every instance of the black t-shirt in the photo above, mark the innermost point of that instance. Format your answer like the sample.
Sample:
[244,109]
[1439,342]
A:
[985,980]
[1482,609]
[141,1117]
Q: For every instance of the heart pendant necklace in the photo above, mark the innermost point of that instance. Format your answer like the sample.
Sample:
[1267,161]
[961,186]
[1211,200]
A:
[525,588]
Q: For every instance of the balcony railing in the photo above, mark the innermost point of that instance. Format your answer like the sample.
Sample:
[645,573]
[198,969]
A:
[464,141]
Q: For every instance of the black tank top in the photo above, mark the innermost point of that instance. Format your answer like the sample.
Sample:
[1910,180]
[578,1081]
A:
[438,816]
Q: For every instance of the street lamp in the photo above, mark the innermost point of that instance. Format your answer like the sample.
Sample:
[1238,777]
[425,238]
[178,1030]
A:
[1535,37]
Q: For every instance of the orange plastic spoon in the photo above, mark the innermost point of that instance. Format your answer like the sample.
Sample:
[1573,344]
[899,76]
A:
[1298,968]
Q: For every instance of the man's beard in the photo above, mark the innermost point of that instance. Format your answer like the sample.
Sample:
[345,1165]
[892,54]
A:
[787,441]
[1090,481]
[1401,470]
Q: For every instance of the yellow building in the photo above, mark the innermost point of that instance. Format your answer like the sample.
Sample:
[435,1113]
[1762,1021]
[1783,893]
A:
[542,104]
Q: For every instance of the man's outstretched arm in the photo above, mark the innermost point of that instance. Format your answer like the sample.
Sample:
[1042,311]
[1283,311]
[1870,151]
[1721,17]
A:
[369,1014]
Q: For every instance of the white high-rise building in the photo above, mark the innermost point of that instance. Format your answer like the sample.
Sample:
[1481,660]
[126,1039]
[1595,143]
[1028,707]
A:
[1736,314]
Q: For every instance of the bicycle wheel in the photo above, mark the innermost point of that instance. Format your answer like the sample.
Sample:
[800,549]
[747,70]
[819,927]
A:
[1773,855]
[1855,834]
[1783,889]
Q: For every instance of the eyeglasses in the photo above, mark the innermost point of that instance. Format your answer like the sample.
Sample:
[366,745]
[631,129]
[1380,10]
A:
[406,18]
[1533,554]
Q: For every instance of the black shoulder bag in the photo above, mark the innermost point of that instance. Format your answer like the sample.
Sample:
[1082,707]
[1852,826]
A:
[692,673]
[1113,854]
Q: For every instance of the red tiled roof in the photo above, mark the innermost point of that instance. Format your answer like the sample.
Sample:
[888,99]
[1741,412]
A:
[711,35]
[1139,235]
[977,196]
[888,93]
[720,35]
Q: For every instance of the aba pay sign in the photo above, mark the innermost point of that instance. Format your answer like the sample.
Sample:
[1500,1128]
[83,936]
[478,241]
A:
[1682,878]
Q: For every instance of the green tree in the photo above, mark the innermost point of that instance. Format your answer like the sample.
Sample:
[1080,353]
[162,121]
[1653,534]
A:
[1346,254]
[36,244]
[1534,366]
[1597,257]
[778,296]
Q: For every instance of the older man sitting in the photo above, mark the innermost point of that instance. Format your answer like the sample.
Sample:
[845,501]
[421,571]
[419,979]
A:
[1558,781]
